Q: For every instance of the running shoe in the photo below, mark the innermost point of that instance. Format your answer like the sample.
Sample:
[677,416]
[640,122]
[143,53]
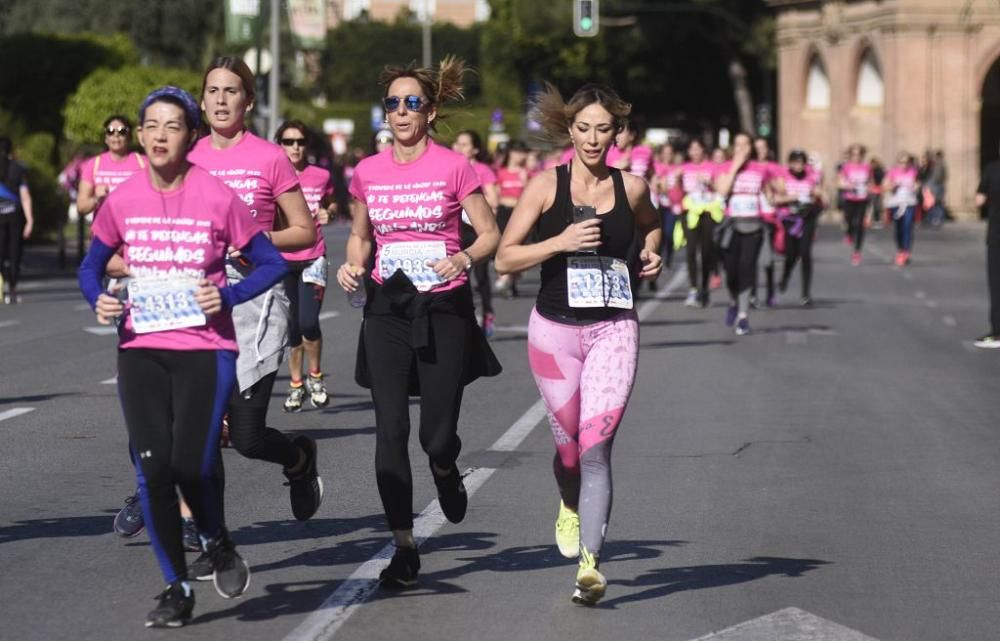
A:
[176,604]
[743,327]
[731,315]
[772,301]
[806,302]
[715,281]
[402,569]
[987,342]
[452,496]
[692,298]
[900,259]
[590,583]
[201,568]
[906,257]
[317,390]
[855,258]
[129,521]
[489,324]
[295,395]
[192,542]
[306,487]
[848,241]
[568,532]
[230,573]
[703,298]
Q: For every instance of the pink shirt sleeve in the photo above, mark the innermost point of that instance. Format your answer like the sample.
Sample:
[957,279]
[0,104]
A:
[87,170]
[283,177]
[465,180]
[105,227]
[356,188]
[240,226]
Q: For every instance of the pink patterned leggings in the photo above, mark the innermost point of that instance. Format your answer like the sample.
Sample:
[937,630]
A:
[585,375]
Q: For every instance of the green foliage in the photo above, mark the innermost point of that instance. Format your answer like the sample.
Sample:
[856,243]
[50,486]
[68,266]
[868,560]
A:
[106,92]
[40,71]
[48,202]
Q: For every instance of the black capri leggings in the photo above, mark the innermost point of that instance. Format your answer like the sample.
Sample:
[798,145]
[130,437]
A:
[11,244]
[173,403]
[248,430]
[305,300]
[741,261]
[854,212]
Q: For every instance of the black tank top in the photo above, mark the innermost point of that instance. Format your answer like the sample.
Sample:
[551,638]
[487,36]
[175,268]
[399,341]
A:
[618,240]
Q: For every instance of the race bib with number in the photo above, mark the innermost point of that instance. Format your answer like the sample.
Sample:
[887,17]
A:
[315,273]
[861,189]
[744,205]
[415,259]
[161,304]
[596,281]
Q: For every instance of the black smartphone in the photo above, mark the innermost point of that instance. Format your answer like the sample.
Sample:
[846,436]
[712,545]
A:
[581,214]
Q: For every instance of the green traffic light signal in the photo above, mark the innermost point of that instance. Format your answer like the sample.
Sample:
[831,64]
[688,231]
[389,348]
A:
[586,18]
[586,23]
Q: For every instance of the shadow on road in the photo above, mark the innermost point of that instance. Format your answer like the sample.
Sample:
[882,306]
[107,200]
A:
[34,398]
[670,344]
[661,583]
[313,529]
[337,432]
[61,527]
[671,323]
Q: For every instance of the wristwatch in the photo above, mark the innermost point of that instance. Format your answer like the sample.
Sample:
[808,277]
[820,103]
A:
[468,258]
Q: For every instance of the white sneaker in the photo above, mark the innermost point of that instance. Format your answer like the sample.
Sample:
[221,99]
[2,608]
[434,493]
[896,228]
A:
[692,299]
[987,342]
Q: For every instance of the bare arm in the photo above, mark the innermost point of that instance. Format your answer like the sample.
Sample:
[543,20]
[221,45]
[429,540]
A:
[29,218]
[299,232]
[87,199]
[492,195]
[647,220]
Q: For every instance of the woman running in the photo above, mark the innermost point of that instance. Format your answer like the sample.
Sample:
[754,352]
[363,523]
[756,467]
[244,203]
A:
[305,283]
[597,231]
[469,144]
[769,217]
[512,176]
[901,188]
[101,174]
[743,182]
[855,181]
[419,336]
[261,174]
[16,218]
[702,212]
[798,210]
[177,347]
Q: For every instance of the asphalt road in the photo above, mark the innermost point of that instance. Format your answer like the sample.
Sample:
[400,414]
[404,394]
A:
[843,460]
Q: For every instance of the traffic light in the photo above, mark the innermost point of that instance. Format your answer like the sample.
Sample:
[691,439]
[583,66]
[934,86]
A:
[586,18]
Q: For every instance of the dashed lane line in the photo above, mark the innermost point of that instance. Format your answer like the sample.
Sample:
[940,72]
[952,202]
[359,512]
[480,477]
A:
[14,412]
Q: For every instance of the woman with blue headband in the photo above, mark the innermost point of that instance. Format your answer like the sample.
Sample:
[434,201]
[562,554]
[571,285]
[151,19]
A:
[177,347]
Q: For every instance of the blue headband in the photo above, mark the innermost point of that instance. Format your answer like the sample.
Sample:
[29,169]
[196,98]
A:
[192,112]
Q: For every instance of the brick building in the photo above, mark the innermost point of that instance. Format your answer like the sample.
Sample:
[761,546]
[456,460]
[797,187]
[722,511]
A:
[894,75]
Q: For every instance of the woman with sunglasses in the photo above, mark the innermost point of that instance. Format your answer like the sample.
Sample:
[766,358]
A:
[305,283]
[469,144]
[855,181]
[177,346]
[263,177]
[597,233]
[101,174]
[419,336]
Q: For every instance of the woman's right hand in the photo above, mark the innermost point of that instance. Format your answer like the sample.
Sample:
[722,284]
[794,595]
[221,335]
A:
[349,277]
[581,236]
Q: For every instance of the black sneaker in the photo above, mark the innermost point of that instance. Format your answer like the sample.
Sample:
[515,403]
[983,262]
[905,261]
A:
[175,608]
[451,494]
[129,521]
[191,541]
[402,569]
[201,568]
[231,574]
[305,488]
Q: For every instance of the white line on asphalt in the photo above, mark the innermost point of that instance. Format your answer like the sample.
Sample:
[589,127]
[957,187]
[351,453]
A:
[324,622]
[330,314]
[111,381]
[949,321]
[8,323]
[931,303]
[790,623]
[101,330]
[16,411]
[920,294]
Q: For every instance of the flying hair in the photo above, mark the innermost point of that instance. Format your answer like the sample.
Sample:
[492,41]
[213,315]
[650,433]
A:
[554,115]
[440,86]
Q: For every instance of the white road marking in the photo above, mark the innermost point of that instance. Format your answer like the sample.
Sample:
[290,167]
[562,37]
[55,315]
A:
[331,615]
[920,294]
[331,314]
[101,330]
[949,321]
[111,381]
[789,624]
[931,303]
[16,411]
[8,323]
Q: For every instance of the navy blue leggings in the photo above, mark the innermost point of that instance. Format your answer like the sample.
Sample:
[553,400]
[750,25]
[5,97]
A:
[305,300]
[173,403]
[904,228]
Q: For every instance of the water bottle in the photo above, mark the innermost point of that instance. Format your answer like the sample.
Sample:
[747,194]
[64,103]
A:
[358,297]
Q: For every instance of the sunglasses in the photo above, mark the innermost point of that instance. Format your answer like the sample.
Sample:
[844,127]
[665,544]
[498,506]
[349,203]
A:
[293,142]
[117,131]
[413,103]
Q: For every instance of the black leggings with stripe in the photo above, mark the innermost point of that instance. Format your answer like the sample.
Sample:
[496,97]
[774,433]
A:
[173,403]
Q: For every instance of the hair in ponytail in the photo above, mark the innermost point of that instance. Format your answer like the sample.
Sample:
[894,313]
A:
[554,115]
[440,86]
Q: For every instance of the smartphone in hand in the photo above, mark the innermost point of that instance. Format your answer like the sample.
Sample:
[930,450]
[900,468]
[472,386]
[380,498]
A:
[581,214]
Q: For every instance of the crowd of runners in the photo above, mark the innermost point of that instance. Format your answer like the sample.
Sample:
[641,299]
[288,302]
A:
[208,253]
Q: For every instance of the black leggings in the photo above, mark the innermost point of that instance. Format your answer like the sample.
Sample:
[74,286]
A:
[993,279]
[854,212]
[480,271]
[392,360]
[11,242]
[248,430]
[173,403]
[741,262]
[700,245]
[796,248]
[305,300]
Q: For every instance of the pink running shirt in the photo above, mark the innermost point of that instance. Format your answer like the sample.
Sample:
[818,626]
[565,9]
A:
[905,180]
[258,171]
[416,201]
[857,175]
[511,182]
[184,232]
[698,179]
[315,182]
[745,199]
[105,170]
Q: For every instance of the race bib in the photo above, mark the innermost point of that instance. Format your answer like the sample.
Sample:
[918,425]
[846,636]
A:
[415,259]
[315,273]
[744,205]
[161,304]
[861,189]
[596,281]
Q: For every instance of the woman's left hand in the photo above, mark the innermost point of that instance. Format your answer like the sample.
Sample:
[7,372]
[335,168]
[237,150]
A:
[208,297]
[28,226]
[652,263]
[449,268]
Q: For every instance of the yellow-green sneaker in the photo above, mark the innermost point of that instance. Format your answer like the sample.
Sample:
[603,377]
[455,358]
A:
[590,583]
[568,532]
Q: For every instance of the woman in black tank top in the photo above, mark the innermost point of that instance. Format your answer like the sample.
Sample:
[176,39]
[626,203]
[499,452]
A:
[597,233]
